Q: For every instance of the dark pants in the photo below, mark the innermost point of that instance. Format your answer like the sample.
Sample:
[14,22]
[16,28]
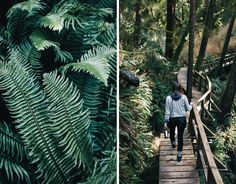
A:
[180,122]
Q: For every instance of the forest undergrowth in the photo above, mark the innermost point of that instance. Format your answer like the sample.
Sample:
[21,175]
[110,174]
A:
[142,115]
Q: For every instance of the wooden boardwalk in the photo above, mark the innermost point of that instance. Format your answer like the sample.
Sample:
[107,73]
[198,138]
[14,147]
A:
[171,171]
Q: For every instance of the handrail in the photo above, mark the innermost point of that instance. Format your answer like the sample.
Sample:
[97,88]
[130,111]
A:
[211,63]
[196,127]
[211,172]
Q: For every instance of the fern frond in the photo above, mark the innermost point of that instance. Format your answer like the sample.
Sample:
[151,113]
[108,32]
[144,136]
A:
[70,121]
[101,3]
[104,35]
[28,106]
[103,137]
[94,62]
[12,168]
[15,31]
[105,171]
[10,143]
[108,96]
[63,56]
[31,6]
[71,14]
[28,56]
[41,42]
[53,21]
[12,152]
[89,88]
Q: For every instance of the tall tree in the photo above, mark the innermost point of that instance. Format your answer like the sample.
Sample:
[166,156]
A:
[137,24]
[209,22]
[170,26]
[226,44]
[183,38]
[191,48]
[229,92]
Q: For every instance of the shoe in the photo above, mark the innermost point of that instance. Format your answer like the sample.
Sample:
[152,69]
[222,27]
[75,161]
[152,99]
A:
[173,144]
[179,158]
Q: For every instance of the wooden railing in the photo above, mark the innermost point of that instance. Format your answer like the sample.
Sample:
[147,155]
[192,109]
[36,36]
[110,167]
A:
[205,103]
[205,156]
[212,63]
[196,129]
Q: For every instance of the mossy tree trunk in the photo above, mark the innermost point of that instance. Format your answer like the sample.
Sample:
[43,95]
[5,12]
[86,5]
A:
[183,38]
[226,44]
[227,99]
[170,26]
[209,22]
[191,48]
[137,24]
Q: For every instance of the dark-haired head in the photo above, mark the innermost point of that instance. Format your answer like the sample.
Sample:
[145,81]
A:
[177,87]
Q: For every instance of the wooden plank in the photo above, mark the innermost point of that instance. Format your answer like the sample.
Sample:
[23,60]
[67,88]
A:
[184,174]
[180,181]
[167,142]
[173,157]
[177,168]
[214,172]
[174,152]
[169,147]
[175,163]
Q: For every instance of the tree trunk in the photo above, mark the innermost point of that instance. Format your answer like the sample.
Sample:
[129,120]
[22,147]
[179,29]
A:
[191,48]
[183,39]
[209,22]
[137,24]
[227,99]
[226,44]
[180,46]
[170,28]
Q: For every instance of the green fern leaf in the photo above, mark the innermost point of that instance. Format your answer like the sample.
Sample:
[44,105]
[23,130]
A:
[63,56]
[89,88]
[53,21]
[71,127]
[94,62]
[104,171]
[12,152]
[41,43]
[28,106]
[32,6]
[28,56]
[10,142]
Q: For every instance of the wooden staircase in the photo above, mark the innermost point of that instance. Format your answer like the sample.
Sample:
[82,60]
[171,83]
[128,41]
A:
[171,171]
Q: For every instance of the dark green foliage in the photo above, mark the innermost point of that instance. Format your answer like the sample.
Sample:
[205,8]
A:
[60,128]
[12,152]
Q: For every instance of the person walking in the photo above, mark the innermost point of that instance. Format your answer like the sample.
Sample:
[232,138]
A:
[175,116]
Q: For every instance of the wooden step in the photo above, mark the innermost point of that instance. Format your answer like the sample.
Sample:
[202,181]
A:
[169,147]
[174,152]
[191,162]
[179,181]
[177,168]
[180,174]
[167,142]
[173,157]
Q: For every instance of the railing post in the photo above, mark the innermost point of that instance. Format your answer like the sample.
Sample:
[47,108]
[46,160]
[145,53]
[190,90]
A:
[190,123]
[200,84]
[202,109]
[194,77]
[209,104]
[199,145]
[210,178]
